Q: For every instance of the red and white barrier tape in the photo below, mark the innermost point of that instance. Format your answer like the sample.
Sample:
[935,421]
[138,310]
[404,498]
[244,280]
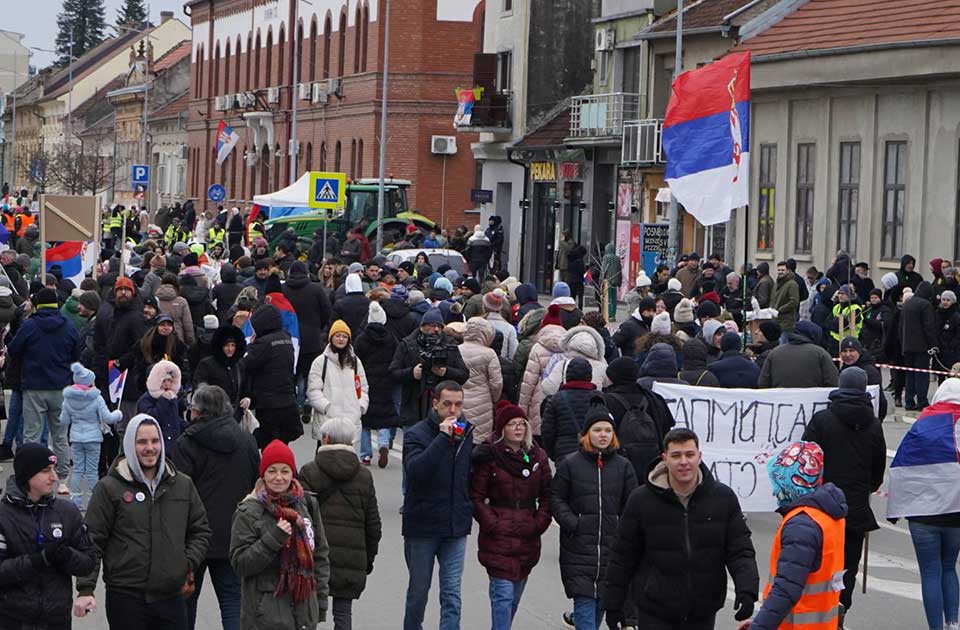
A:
[903,368]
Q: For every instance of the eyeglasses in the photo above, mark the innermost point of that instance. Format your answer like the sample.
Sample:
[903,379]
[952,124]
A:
[516,425]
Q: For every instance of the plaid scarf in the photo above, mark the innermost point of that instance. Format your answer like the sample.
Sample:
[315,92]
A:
[296,555]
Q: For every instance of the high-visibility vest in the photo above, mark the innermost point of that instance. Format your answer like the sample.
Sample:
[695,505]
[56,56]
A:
[116,221]
[254,230]
[847,310]
[216,235]
[26,220]
[819,604]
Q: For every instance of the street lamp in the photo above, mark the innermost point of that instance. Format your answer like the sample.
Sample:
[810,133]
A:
[381,194]
[146,91]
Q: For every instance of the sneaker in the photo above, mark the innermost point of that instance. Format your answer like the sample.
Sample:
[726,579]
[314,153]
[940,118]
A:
[568,620]
[365,460]
[6,452]
[953,626]
[384,457]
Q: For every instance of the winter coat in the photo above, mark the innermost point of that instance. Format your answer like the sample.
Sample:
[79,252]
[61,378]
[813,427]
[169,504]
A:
[401,321]
[562,415]
[798,363]
[310,302]
[117,329]
[437,501]
[800,554]
[478,255]
[225,293]
[39,595]
[415,398]
[177,308]
[223,461]
[198,299]
[638,444]
[611,266]
[874,377]
[48,344]
[735,370]
[526,299]
[85,412]
[146,546]
[483,386]
[877,321]
[68,310]
[351,519]
[218,370]
[562,250]
[587,502]
[138,364]
[948,334]
[575,264]
[267,367]
[854,453]
[509,348]
[333,390]
[375,348]
[527,330]
[627,334]
[546,353]
[255,542]
[786,301]
[677,557]
[166,411]
[512,510]
[918,321]
[763,291]
[689,279]
[906,278]
[583,342]
[695,371]
[352,308]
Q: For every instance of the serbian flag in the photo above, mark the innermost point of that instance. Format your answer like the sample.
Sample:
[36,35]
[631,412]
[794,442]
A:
[288,319]
[227,138]
[116,380]
[925,473]
[69,255]
[706,136]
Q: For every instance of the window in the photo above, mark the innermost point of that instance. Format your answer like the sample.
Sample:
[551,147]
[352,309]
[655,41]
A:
[631,71]
[201,62]
[603,66]
[768,191]
[806,174]
[366,33]
[313,50]
[504,72]
[256,64]
[849,197]
[507,6]
[327,28]
[353,158]
[236,67]
[342,46]
[249,63]
[301,78]
[309,165]
[357,37]
[359,158]
[894,199]
[337,154]
[268,71]
[226,69]
[323,156]
[478,174]
[281,75]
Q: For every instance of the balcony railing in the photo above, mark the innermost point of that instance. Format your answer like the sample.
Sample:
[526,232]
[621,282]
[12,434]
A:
[642,142]
[491,113]
[602,115]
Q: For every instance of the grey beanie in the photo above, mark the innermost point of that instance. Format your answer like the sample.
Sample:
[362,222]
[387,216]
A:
[853,379]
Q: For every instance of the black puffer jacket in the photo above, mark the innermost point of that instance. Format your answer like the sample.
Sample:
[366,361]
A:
[626,336]
[227,291]
[695,370]
[197,297]
[223,461]
[401,321]
[31,592]
[218,370]
[874,377]
[587,502]
[310,302]
[267,368]
[352,308]
[918,322]
[375,348]
[641,443]
[678,557]
[415,396]
[351,520]
[561,416]
[854,453]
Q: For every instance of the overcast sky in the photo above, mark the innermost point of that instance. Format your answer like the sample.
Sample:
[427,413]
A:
[39,23]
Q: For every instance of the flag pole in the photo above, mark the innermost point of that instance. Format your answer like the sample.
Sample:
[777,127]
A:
[674,210]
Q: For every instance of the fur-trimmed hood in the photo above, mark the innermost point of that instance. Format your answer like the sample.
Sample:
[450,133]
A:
[585,341]
[160,371]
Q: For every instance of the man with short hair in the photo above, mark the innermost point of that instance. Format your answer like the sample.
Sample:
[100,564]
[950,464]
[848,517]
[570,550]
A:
[371,277]
[786,298]
[800,362]
[680,505]
[150,531]
[854,355]
[437,512]
[689,275]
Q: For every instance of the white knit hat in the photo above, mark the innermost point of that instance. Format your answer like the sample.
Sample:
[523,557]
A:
[376,314]
[661,324]
[674,285]
[643,280]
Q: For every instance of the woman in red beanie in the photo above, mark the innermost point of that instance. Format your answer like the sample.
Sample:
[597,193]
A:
[510,490]
[278,542]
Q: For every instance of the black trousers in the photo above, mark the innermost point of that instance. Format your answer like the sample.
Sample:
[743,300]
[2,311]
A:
[278,424]
[128,611]
[647,622]
[852,550]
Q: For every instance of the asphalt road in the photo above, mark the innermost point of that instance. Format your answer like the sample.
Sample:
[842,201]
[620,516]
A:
[892,599]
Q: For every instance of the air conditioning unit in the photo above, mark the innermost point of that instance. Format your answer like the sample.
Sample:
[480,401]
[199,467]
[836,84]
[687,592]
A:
[273,95]
[335,87]
[221,103]
[250,158]
[443,145]
[320,93]
[305,91]
[605,39]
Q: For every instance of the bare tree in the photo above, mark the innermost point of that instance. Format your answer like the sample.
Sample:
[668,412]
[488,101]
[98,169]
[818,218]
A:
[36,166]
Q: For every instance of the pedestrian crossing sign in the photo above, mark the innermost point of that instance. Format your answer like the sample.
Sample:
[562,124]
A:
[327,190]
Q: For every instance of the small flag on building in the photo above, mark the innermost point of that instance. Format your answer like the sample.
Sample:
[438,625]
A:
[706,136]
[227,138]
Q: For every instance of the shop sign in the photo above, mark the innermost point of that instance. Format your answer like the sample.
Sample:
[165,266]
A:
[570,170]
[543,172]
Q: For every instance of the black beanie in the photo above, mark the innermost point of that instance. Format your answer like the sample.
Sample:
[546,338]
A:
[579,369]
[771,330]
[46,297]
[623,370]
[597,412]
[730,342]
[30,459]
[707,310]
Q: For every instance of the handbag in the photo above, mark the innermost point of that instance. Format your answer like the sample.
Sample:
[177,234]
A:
[249,422]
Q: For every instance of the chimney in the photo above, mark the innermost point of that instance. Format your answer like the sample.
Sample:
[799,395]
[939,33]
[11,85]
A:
[166,16]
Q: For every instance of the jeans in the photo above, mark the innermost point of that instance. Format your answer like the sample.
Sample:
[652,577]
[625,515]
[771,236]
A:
[227,586]
[42,406]
[917,383]
[129,611]
[587,613]
[86,456]
[420,554]
[14,429]
[366,447]
[342,613]
[937,549]
[504,601]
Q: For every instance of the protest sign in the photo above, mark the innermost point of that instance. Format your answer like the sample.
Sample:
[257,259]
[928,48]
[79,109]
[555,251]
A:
[740,429]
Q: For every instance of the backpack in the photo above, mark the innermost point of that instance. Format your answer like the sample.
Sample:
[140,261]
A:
[639,434]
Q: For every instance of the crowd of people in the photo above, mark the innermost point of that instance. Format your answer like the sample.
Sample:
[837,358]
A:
[512,410]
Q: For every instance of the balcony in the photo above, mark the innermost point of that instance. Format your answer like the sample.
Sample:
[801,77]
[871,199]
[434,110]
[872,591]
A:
[491,114]
[642,142]
[601,116]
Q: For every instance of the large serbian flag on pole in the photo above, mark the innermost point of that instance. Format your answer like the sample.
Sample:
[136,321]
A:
[925,473]
[227,138]
[69,256]
[706,136]
[288,321]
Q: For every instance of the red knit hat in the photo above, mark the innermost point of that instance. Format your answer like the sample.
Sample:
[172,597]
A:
[277,452]
[505,412]
[552,317]
[125,283]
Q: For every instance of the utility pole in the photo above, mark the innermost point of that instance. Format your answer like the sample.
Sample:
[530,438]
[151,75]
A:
[294,91]
[69,133]
[381,194]
[673,233]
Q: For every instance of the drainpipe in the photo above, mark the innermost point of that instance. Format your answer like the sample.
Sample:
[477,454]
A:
[523,205]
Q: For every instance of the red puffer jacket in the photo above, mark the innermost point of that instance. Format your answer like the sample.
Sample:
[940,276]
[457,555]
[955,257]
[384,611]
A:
[511,502]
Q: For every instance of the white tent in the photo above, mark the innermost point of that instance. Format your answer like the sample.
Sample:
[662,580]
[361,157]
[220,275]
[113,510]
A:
[295,195]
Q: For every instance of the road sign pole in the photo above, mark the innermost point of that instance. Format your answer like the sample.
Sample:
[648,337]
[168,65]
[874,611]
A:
[43,239]
[326,221]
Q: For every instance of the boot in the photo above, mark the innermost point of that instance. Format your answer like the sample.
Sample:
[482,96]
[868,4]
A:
[840,616]
[6,452]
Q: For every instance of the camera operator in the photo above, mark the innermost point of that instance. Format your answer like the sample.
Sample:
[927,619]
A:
[422,360]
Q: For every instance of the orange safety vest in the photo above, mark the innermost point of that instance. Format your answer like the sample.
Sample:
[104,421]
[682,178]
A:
[819,604]
[26,221]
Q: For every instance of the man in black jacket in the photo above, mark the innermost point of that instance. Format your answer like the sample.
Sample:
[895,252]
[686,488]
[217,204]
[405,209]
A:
[854,459]
[309,300]
[44,544]
[853,354]
[224,463]
[918,338]
[563,412]
[637,325]
[679,535]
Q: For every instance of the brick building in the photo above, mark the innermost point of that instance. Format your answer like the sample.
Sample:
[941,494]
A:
[243,73]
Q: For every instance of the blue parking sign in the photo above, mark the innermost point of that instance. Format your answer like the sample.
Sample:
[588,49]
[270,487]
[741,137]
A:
[141,174]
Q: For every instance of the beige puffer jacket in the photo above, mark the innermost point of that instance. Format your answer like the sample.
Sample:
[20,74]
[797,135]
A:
[177,308]
[485,382]
[583,342]
[549,344]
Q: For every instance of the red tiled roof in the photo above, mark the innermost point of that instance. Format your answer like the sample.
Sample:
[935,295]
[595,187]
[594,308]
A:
[172,56]
[172,108]
[703,14]
[549,134]
[829,24]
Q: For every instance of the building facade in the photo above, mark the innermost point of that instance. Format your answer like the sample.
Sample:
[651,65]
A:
[14,60]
